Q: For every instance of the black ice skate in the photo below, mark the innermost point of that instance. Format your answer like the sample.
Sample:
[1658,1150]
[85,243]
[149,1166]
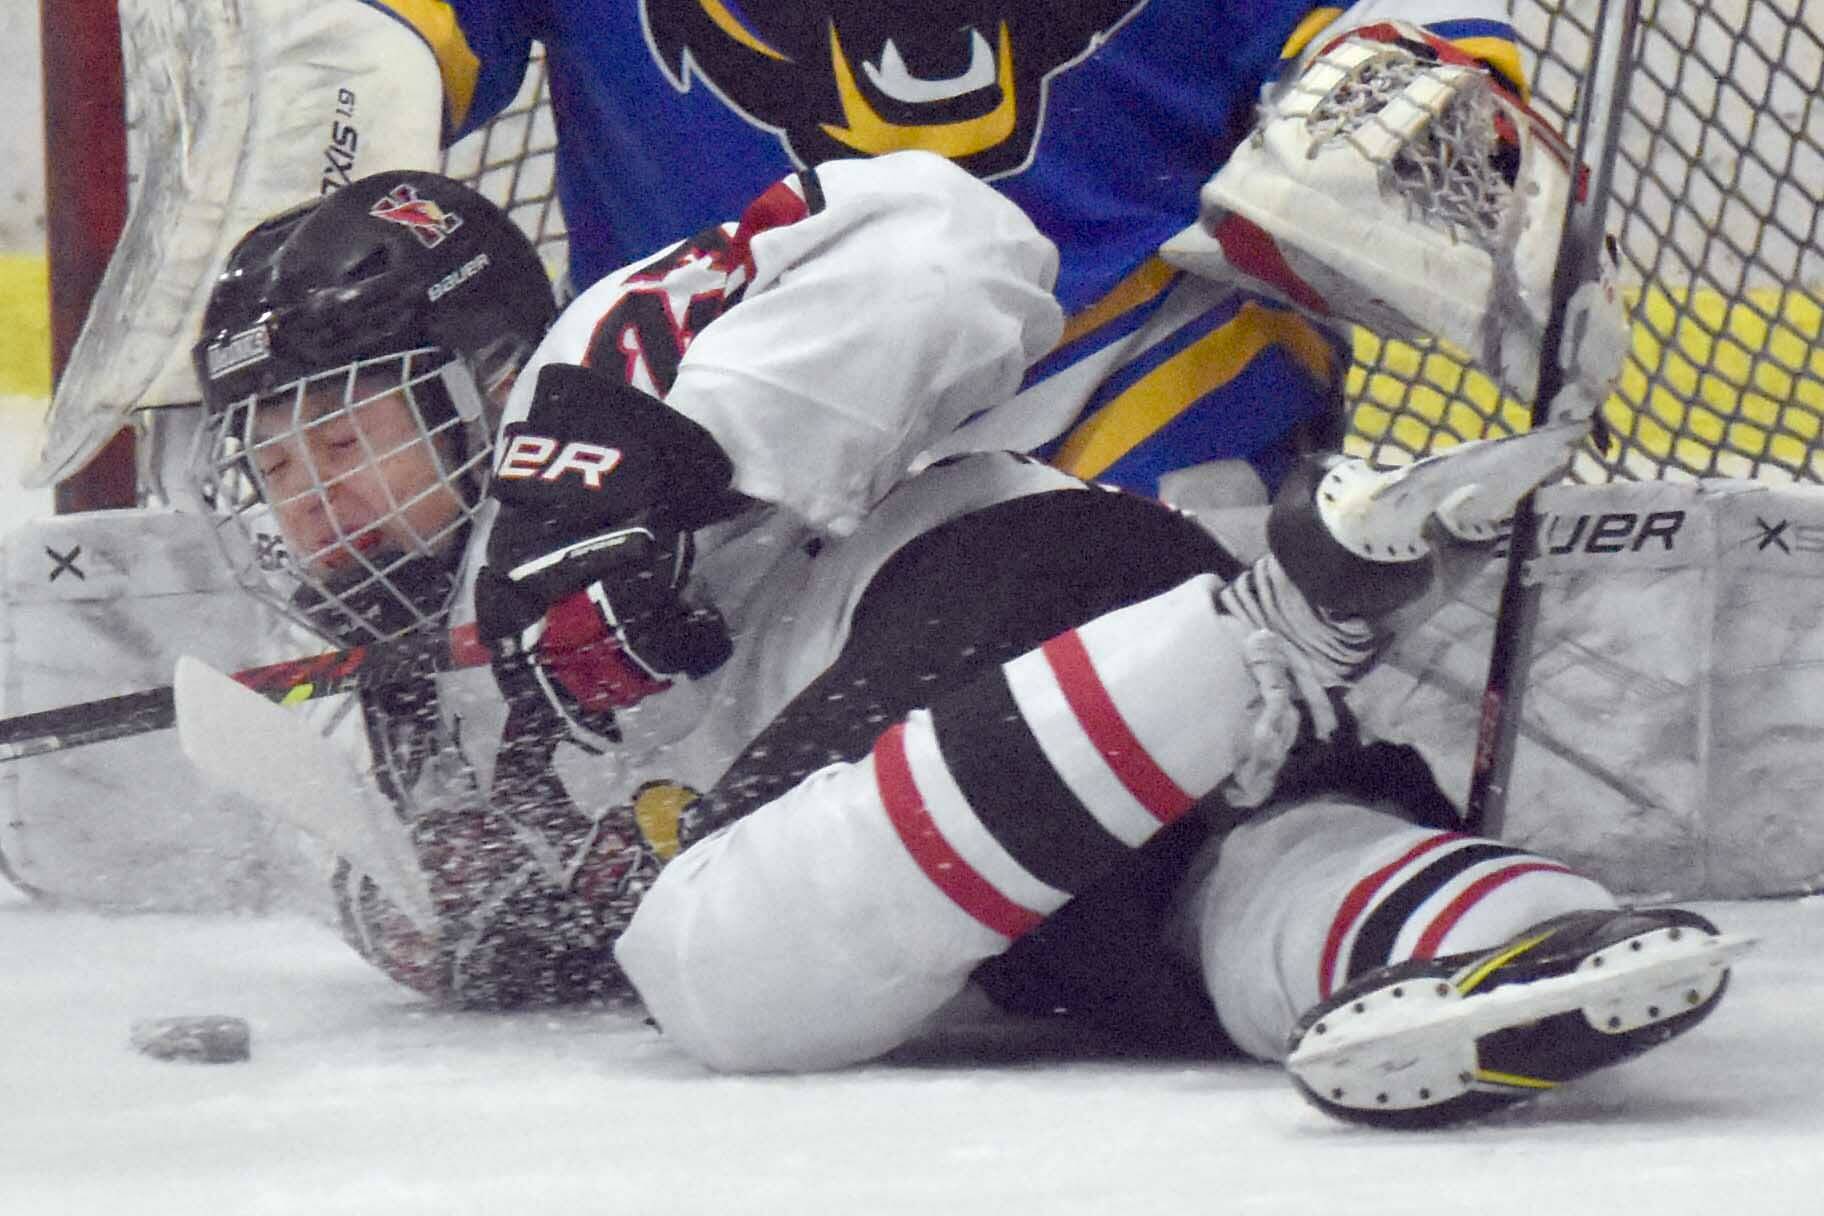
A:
[1429,1042]
[1353,537]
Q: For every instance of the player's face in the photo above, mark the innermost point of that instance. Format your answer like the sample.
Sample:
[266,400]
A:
[356,481]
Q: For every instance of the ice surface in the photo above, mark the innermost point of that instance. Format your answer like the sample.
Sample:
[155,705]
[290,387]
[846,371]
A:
[360,1099]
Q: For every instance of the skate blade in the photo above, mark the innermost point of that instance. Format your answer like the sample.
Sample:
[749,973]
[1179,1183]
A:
[1413,1042]
[1501,470]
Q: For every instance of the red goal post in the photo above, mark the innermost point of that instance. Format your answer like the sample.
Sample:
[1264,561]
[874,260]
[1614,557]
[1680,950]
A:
[85,203]
[1719,190]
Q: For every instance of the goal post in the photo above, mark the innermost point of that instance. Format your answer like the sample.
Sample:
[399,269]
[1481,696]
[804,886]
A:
[85,205]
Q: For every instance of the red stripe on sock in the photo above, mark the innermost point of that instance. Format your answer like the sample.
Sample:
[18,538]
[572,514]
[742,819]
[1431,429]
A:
[946,869]
[1468,898]
[1108,731]
[1358,899]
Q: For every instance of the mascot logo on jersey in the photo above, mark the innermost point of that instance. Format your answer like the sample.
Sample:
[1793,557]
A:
[963,78]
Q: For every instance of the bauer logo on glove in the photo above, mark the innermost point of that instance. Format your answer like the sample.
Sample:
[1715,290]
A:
[588,574]
[526,455]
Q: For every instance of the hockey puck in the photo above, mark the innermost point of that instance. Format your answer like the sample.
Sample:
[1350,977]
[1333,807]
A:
[204,1040]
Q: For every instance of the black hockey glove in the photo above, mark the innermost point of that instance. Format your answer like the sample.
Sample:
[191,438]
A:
[589,558]
[517,927]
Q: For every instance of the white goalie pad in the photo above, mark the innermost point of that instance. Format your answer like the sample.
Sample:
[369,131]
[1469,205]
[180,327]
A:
[1370,193]
[100,604]
[1672,742]
[237,109]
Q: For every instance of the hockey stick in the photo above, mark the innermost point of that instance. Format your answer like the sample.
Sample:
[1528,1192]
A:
[281,762]
[1579,253]
[286,683]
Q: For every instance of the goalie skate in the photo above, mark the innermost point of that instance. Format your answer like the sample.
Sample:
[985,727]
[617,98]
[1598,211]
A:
[1381,514]
[1434,1041]
[1354,538]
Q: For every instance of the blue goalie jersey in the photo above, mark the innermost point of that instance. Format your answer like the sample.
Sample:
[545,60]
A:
[1100,118]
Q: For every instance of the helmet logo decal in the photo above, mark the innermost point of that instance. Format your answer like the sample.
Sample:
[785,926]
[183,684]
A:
[457,277]
[237,351]
[428,222]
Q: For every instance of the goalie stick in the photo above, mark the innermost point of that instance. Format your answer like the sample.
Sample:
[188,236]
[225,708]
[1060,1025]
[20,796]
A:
[286,683]
[1580,249]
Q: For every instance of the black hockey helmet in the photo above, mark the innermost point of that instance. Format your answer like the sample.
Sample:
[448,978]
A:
[405,288]
[391,262]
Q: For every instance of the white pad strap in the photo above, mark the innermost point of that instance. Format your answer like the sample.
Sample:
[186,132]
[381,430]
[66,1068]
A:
[243,108]
[1333,648]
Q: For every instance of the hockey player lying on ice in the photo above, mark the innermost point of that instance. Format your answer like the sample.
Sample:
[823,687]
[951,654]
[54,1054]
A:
[794,741]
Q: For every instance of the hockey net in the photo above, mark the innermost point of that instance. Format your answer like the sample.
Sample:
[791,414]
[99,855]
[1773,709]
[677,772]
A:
[1718,188]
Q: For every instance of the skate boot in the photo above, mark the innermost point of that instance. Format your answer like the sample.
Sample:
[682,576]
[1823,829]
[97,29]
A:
[1354,538]
[1350,558]
[1435,1041]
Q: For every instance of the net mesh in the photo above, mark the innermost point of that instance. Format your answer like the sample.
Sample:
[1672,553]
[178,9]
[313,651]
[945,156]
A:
[1718,186]
[1718,183]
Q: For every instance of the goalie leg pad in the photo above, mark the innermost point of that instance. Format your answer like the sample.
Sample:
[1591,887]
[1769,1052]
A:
[100,603]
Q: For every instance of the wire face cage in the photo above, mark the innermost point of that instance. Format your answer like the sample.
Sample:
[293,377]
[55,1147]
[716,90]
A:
[340,495]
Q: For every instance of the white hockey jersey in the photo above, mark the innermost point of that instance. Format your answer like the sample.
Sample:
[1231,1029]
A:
[854,316]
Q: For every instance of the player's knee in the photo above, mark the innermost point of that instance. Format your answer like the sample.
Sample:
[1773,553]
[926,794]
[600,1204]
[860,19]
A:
[666,959]
[799,938]
[736,994]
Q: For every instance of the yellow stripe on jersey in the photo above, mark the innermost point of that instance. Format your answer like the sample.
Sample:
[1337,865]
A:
[1316,22]
[1151,278]
[1178,383]
[435,22]
[1501,54]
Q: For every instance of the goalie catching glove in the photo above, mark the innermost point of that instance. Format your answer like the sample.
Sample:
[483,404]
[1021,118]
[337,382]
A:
[1396,183]
[599,490]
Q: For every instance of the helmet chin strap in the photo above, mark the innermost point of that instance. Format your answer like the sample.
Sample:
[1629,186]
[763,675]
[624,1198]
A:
[465,396]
